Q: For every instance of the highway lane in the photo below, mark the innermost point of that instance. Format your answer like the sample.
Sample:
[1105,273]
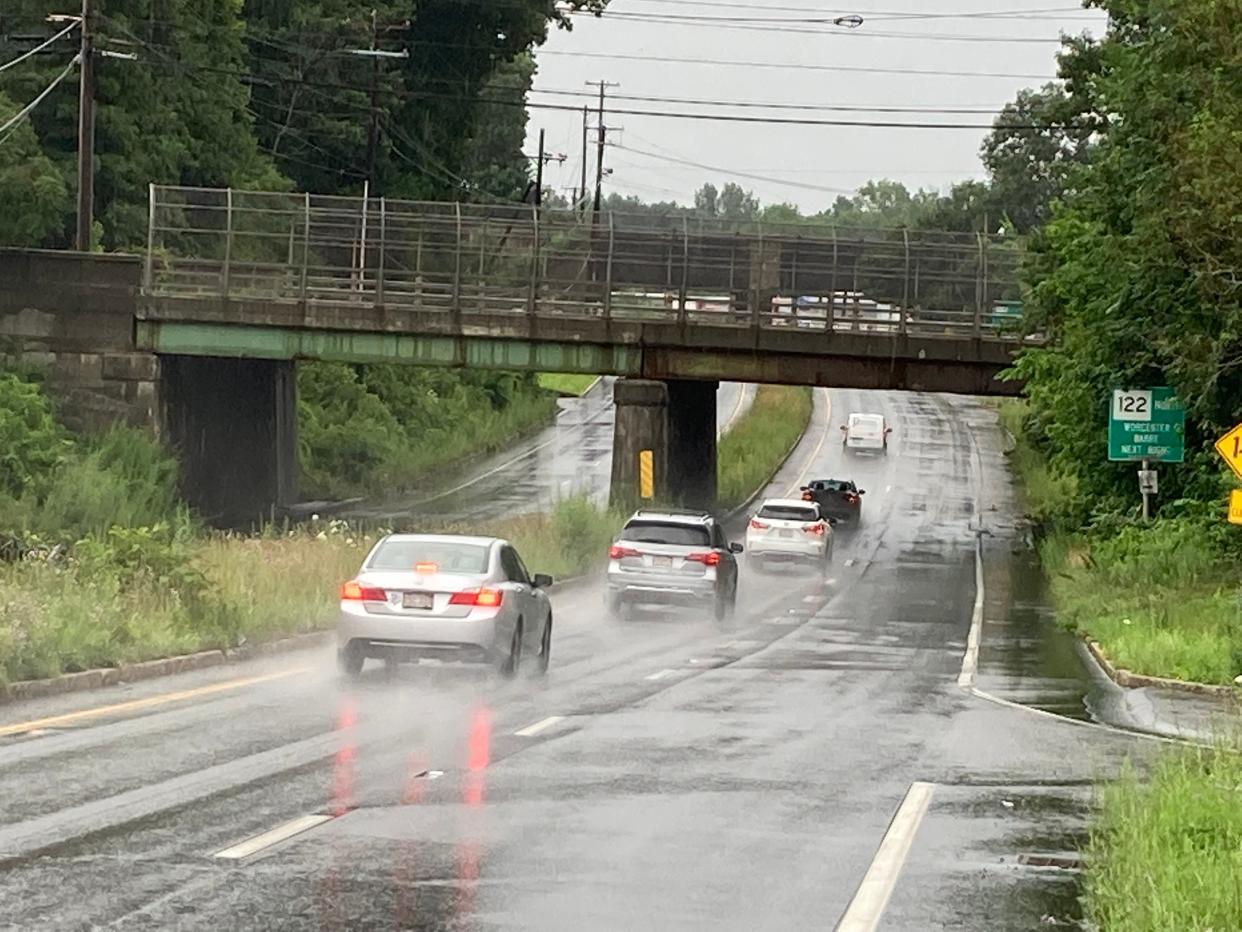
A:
[570,458]
[669,773]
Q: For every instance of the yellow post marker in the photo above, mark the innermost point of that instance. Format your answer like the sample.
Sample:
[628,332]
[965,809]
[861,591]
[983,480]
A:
[1235,506]
[646,474]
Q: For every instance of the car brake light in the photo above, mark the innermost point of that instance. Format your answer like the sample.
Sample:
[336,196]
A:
[707,559]
[758,525]
[483,598]
[808,497]
[426,569]
[354,591]
[617,552]
[851,497]
[813,528]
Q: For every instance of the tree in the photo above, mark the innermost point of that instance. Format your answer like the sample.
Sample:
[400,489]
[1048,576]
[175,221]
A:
[1137,274]
[706,201]
[34,199]
[736,203]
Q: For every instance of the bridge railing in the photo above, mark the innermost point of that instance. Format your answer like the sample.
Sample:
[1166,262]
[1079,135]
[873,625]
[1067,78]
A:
[468,260]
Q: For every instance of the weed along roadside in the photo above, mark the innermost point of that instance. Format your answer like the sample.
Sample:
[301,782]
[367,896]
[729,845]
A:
[102,566]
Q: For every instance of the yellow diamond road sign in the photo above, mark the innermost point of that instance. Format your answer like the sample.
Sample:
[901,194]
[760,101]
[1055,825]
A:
[1230,449]
[1235,506]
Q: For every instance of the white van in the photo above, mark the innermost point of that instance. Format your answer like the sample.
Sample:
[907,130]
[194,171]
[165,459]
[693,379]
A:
[866,433]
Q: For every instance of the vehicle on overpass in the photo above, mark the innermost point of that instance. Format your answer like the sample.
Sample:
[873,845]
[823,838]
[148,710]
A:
[865,433]
[789,530]
[837,498]
[444,597]
[672,557]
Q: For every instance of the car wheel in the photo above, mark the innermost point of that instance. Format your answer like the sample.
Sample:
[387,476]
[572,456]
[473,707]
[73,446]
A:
[350,661]
[720,610]
[617,609]
[545,648]
[510,665]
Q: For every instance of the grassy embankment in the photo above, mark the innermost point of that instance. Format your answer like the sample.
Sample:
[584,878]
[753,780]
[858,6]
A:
[1165,851]
[1161,599]
[566,383]
[134,584]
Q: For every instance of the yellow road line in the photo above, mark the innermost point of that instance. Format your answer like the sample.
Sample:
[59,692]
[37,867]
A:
[147,703]
[797,483]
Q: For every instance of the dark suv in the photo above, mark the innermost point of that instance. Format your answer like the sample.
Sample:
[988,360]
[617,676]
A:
[673,557]
[837,498]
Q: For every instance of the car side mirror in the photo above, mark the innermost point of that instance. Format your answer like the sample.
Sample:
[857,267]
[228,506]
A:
[832,522]
[862,491]
[541,581]
[735,548]
[888,430]
[843,427]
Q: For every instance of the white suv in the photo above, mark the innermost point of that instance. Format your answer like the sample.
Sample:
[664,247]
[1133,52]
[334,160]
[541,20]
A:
[789,530]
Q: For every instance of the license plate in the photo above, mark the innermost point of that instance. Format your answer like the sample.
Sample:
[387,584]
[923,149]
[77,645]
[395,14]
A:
[422,600]
[787,533]
[663,562]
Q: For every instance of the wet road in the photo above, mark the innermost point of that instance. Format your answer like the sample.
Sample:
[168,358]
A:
[669,773]
[571,458]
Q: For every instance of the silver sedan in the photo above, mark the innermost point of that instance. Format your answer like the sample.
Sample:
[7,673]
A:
[444,597]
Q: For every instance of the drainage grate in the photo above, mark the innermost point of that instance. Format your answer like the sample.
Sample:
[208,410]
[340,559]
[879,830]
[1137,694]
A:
[1067,862]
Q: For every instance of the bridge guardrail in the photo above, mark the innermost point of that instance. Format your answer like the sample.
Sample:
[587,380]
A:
[470,259]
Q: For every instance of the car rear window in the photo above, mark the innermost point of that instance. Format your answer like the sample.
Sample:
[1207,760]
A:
[838,485]
[671,533]
[449,556]
[789,513]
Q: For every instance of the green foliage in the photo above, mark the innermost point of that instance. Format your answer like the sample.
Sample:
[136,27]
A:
[1161,599]
[34,196]
[1135,275]
[566,383]
[751,450]
[1166,853]
[32,444]
[381,428]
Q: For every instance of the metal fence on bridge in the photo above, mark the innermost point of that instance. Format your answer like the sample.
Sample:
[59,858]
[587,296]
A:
[472,259]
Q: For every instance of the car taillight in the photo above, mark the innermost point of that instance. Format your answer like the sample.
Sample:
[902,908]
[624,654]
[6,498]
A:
[758,525]
[617,552]
[707,559]
[482,598]
[808,497]
[851,498]
[813,528]
[354,591]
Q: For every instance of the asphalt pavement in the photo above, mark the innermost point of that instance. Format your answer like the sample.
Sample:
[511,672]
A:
[812,762]
[570,458]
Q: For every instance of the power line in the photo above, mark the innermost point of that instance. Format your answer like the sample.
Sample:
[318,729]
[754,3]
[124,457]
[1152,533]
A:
[796,27]
[1045,13]
[9,127]
[39,48]
[702,102]
[797,66]
[733,173]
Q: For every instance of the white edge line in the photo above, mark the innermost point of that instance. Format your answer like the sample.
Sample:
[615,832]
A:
[660,675]
[871,899]
[271,837]
[541,725]
[810,460]
[970,662]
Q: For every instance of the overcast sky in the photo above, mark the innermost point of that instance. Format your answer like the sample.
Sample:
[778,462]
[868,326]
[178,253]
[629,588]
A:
[815,162]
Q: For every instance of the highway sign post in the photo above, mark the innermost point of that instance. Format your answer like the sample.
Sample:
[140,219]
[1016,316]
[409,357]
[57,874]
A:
[1147,425]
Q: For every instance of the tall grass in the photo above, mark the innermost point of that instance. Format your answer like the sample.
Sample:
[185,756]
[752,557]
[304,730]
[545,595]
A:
[1161,599]
[750,451]
[1045,493]
[1166,854]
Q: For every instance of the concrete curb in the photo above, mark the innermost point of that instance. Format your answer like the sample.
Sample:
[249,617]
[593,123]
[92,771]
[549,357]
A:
[150,669]
[1130,680]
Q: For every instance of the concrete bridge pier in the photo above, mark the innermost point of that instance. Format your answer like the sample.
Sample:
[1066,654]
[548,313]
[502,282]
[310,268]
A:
[233,423]
[676,421]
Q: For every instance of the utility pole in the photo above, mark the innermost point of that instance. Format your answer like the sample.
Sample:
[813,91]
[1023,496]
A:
[601,137]
[581,195]
[86,131]
[539,175]
[373,129]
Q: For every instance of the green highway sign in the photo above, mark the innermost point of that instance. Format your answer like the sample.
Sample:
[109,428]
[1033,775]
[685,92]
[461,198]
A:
[1147,424]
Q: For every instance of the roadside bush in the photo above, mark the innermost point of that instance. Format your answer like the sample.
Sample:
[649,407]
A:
[32,444]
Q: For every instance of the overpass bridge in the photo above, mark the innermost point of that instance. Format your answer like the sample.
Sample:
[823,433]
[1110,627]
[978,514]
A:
[199,335]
